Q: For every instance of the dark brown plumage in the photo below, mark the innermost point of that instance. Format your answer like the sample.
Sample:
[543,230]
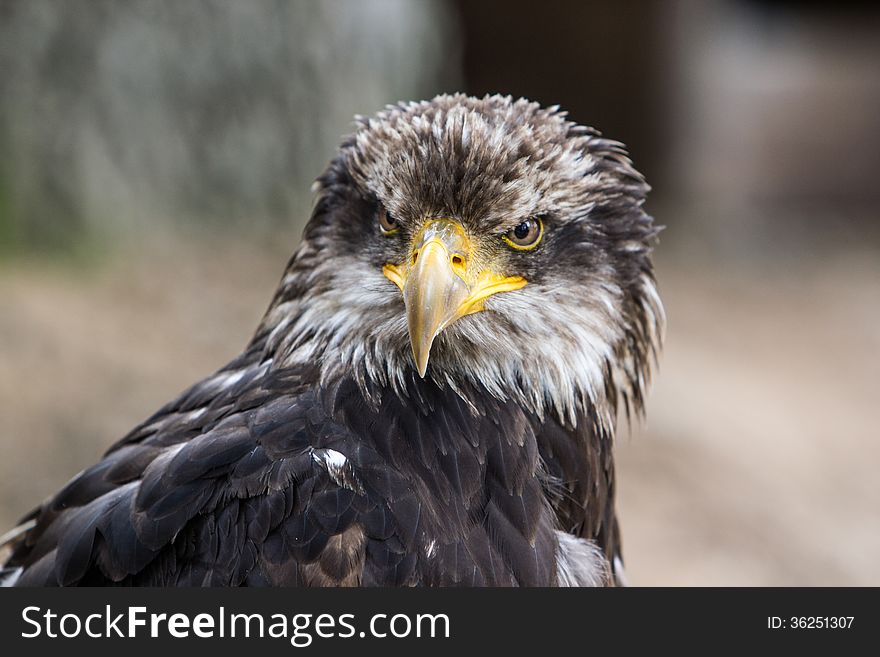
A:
[431,397]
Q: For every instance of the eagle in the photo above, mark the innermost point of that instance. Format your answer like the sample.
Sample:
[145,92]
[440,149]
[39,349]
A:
[430,399]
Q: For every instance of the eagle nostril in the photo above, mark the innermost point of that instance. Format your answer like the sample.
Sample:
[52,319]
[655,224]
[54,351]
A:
[415,256]
[458,265]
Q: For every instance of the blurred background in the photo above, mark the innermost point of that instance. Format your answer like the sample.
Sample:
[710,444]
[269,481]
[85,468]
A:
[155,164]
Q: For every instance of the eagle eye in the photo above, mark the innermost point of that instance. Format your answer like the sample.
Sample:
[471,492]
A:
[387,223]
[525,236]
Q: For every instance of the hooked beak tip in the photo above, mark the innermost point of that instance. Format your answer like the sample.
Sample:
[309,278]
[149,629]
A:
[421,353]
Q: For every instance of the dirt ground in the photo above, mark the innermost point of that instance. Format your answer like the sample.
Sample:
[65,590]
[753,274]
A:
[757,465]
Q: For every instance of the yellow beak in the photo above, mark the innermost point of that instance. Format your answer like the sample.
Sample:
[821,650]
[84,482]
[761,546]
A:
[440,285]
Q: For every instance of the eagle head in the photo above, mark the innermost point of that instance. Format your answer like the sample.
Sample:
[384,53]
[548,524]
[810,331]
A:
[482,244]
